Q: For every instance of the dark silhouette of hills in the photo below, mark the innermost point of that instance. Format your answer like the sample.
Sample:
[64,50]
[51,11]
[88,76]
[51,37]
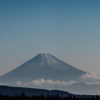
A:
[8,90]
[18,93]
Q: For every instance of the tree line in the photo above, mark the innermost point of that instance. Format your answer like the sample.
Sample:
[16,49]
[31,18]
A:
[48,97]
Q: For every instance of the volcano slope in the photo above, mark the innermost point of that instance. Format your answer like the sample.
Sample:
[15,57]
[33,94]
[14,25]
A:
[44,66]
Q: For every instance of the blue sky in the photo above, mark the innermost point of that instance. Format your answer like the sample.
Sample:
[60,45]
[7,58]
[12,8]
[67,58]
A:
[67,29]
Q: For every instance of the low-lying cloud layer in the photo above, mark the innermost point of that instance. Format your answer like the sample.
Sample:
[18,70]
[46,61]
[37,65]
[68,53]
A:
[90,78]
[47,82]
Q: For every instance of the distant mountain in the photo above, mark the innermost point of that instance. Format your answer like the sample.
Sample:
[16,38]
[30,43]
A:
[44,66]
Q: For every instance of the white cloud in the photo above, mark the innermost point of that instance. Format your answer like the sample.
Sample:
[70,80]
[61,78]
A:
[38,82]
[19,83]
[90,78]
[49,82]
[2,84]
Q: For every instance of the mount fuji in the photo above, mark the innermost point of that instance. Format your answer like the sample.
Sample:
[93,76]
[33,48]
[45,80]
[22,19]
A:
[45,71]
[44,66]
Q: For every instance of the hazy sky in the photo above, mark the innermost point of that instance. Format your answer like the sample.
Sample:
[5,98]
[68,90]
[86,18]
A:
[67,29]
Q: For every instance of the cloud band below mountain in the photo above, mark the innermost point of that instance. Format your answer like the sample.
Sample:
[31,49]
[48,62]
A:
[47,82]
[90,78]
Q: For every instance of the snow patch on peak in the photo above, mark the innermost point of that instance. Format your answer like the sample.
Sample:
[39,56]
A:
[48,58]
[44,54]
[51,59]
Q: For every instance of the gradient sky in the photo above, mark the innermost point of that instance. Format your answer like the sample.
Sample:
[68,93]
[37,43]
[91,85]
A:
[67,29]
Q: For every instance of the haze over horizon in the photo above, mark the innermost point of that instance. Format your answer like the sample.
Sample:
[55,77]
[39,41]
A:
[67,29]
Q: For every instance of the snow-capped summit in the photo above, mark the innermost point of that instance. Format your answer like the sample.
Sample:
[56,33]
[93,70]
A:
[44,66]
[46,59]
